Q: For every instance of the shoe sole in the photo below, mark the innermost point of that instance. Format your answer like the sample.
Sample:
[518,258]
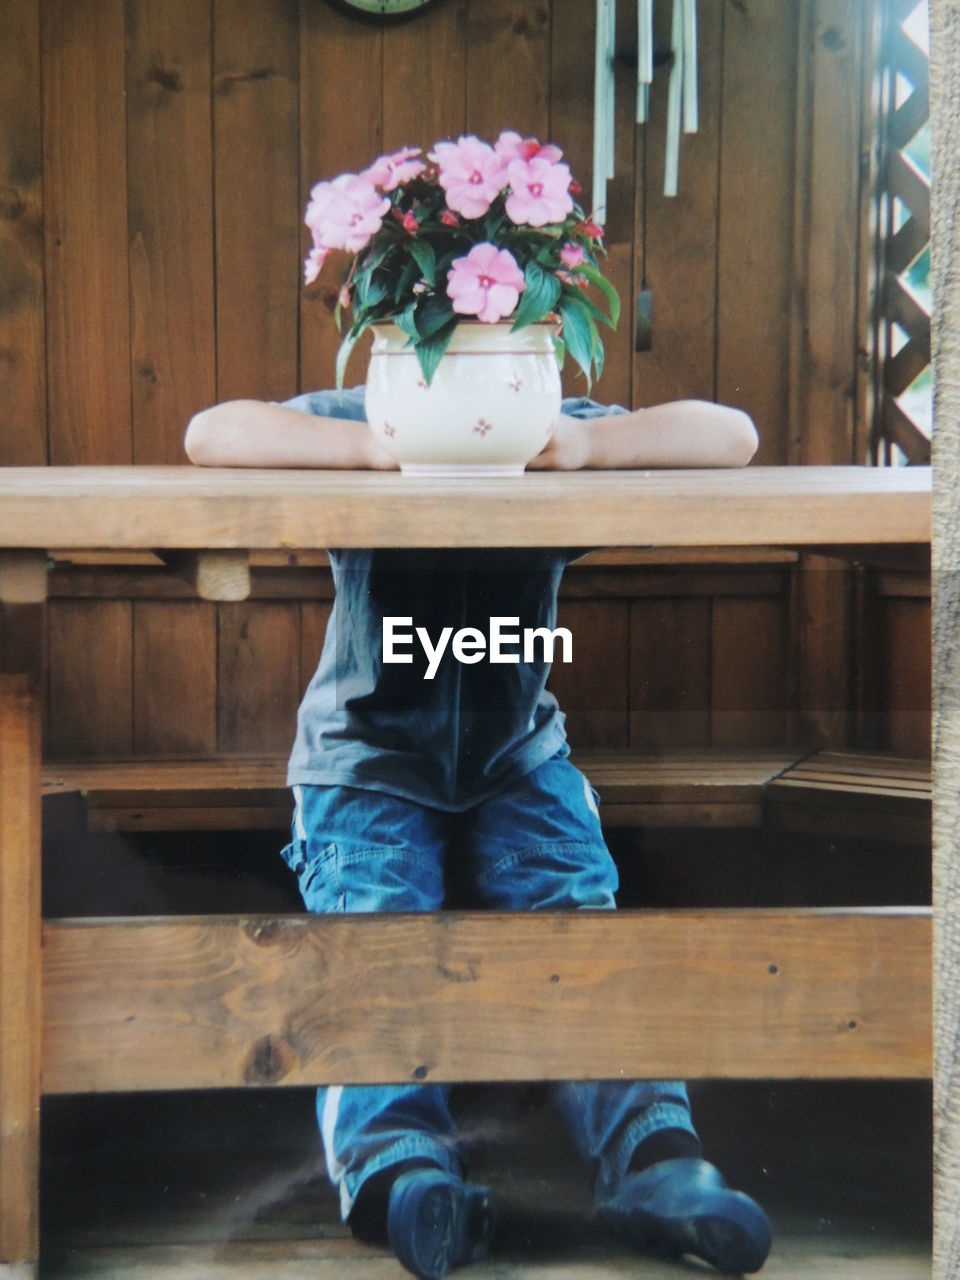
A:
[735,1243]
[451,1225]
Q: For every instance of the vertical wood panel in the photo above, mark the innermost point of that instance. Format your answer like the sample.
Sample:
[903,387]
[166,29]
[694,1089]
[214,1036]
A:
[314,616]
[905,654]
[341,112]
[682,232]
[85,216]
[257,196]
[91,665]
[748,664]
[755,217]
[174,678]
[508,67]
[571,86]
[430,56]
[669,673]
[23,391]
[824,336]
[867,689]
[592,689]
[823,629]
[170,185]
[258,679]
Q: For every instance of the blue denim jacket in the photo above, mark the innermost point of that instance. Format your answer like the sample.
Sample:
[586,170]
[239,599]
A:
[453,741]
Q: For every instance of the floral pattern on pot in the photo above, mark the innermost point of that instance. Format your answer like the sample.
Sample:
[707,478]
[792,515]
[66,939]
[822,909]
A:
[492,405]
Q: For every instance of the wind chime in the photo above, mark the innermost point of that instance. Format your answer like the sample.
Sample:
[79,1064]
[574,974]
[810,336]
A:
[681,115]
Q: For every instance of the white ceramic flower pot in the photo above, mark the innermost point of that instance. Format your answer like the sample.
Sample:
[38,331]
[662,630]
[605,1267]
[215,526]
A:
[492,405]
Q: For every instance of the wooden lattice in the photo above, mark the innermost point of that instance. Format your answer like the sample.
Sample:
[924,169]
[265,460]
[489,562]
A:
[902,321]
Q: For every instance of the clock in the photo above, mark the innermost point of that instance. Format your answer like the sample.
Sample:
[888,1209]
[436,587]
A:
[385,8]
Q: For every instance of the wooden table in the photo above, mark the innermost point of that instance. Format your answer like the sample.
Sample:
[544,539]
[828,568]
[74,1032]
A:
[190,1002]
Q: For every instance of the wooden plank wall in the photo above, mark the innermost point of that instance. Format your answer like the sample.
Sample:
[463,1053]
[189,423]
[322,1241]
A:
[150,264]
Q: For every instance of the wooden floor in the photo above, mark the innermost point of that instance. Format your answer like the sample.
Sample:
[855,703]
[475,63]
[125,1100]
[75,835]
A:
[802,1251]
[227,1187]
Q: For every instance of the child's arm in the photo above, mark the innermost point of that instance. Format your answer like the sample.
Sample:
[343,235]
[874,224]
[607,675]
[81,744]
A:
[251,433]
[684,433]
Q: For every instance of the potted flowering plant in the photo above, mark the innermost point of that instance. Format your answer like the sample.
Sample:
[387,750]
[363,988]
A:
[465,247]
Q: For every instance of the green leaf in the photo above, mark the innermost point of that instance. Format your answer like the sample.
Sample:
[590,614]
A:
[376,292]
[405,321]
[432,314]
[540,294]
[591,307]
[430,350]
[606,288]
[579,333]
[560,351]
[376,259]
[598,357]
[408,278]
[346,347]
[426,259]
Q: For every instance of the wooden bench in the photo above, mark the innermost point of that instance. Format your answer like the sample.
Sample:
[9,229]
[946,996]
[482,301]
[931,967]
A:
[854,793]
[697,788]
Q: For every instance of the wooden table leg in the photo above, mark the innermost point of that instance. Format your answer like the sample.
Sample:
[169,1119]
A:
[22,592]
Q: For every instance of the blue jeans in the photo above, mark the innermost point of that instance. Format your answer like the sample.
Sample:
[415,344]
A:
[537,846]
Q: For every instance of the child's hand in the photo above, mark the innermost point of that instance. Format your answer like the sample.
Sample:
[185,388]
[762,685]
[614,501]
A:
[568,449]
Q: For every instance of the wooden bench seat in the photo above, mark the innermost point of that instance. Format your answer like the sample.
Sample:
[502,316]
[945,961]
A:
[854,793]
[830,793]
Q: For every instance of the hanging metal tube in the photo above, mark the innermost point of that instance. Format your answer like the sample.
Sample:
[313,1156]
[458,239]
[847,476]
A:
[611,111]
[674,102]
[599,210]
[644,58]
[689,66]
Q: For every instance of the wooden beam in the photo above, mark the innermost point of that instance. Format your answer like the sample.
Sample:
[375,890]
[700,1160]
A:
[205,1002]
[19,970]
[214,575]
[223,508]
[907,559]
[23,577]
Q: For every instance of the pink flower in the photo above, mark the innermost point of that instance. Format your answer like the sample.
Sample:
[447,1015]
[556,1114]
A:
[539,192]
[410,222]
[510,146]
[486,283]
[571,255]
[345,213]
[315,260]
[590,229]
[449,219]
[388,172]
[471,173]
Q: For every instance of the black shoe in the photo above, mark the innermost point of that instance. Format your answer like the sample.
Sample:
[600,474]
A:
[684,1206]
[436,1222]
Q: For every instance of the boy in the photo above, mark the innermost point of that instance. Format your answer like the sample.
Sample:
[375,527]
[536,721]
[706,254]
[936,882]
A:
[391,772]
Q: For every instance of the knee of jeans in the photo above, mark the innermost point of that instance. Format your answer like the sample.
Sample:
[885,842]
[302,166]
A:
[346,878]
[554,877]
